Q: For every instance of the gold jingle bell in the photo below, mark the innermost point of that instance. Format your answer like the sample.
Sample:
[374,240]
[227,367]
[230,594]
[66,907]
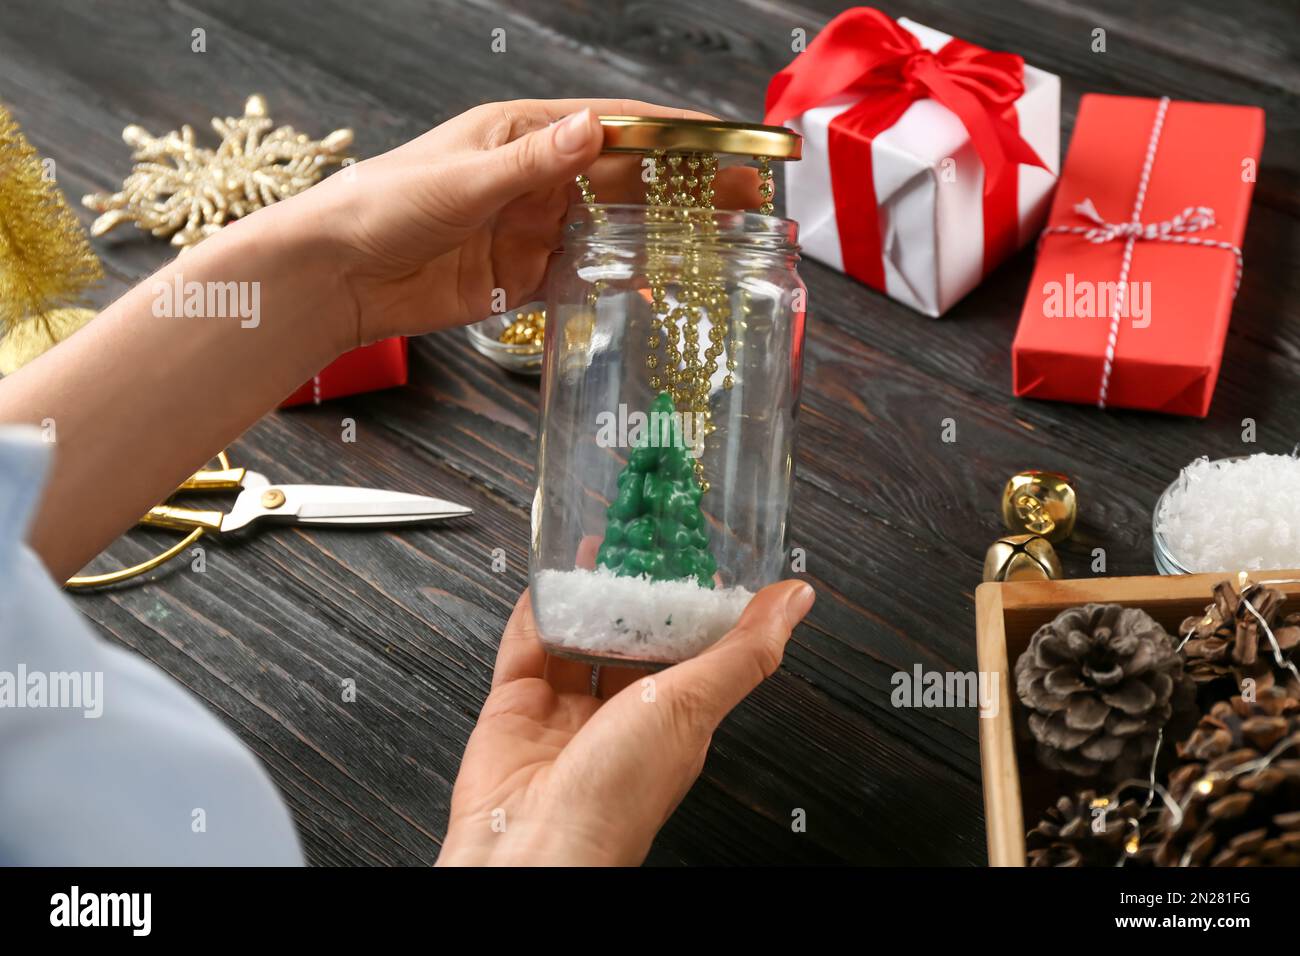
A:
[1021,557]
[1040,502]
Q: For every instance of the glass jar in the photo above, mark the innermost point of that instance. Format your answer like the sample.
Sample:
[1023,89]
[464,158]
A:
[674,350]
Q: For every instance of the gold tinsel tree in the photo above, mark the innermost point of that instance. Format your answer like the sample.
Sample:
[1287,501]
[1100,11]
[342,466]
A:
[46,263]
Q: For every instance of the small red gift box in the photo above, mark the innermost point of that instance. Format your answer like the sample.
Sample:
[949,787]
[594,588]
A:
[1141,258]
[367,369]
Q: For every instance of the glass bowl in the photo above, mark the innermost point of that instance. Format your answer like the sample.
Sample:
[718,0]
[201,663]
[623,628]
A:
[1166,563]
[485,336]
[1165,560]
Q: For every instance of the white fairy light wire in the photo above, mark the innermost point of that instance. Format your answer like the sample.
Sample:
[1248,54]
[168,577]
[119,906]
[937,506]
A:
[1205,785]
[1178,810]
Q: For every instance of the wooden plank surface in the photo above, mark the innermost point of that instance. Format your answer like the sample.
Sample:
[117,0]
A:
[895,521]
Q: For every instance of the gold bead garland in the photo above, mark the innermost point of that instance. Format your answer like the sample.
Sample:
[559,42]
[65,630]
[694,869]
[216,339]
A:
[598,215]
[680,193]
[766,186]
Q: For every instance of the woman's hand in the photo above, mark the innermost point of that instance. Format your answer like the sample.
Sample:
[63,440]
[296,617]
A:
[553,775]
[424,235]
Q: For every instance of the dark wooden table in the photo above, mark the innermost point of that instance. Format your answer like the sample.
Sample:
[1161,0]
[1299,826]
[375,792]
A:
[894,520]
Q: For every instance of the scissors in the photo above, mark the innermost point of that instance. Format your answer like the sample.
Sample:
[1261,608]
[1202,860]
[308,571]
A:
[326,505]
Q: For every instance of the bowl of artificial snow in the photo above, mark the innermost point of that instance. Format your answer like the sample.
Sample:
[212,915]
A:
[1232,514]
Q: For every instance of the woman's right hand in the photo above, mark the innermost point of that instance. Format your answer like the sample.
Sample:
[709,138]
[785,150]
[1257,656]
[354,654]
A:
[554,775]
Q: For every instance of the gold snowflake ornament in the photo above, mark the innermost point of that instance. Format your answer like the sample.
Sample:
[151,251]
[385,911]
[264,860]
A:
[189,192]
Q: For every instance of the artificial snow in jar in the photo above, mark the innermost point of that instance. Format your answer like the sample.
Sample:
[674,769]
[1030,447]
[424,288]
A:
[670,387]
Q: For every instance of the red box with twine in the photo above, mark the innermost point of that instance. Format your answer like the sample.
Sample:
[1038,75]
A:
[1141,259]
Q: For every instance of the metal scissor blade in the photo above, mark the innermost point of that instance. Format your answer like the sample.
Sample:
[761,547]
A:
[323,504]
[338,505]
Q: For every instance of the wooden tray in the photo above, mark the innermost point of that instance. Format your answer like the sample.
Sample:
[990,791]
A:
[1006,617]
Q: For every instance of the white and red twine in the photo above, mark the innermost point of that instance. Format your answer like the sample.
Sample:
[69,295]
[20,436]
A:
[1176,229]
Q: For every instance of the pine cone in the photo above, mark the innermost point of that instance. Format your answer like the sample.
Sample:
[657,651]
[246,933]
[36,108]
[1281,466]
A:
[1252,819]
[1248,820]
[1227,642]
[1066,835]
[1237,723]
[1099,682]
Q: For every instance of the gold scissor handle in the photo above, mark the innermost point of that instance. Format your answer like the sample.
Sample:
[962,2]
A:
[218,479]
[176,518]
[182,519]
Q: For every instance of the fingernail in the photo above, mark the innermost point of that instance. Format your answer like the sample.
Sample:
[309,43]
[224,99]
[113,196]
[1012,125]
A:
[798,603]
[573,132]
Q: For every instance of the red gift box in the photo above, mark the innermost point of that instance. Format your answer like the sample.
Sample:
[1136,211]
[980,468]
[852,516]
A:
[1140,261]
[367,369]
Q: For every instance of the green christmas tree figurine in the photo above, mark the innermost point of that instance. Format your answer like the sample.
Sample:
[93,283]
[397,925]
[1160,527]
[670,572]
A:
[655,527]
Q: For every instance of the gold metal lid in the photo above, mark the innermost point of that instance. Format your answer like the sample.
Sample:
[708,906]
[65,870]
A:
[644,134]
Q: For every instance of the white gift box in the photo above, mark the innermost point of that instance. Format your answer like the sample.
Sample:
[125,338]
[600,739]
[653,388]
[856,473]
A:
[929,186]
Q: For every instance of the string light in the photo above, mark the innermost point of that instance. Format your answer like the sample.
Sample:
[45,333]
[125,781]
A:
[1111,804]
[1206,785]
[1278,656]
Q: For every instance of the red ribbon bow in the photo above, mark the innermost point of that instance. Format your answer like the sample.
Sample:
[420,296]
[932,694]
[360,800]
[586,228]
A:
[864,53]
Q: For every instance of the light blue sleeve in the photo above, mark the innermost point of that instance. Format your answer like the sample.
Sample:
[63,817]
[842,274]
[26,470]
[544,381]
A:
[105,760]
